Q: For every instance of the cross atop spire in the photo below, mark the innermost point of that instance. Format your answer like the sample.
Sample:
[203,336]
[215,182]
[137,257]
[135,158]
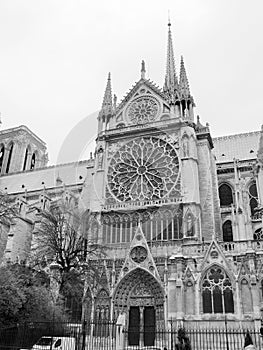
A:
[184,85]
[171,81]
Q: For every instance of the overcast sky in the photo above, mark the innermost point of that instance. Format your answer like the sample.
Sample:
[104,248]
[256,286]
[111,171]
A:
[55,56]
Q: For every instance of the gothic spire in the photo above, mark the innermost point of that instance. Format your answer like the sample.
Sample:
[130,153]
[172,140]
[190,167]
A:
[183,83]
[171,81]
[107,100]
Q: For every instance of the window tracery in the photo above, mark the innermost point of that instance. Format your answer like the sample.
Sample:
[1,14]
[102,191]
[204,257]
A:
[156,225]
[143,110]
[258,234]
[143,169]
[217,291]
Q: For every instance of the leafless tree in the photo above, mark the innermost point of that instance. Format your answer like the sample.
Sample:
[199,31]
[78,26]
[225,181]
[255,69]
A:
[8,209]
[8,212]
[59,239]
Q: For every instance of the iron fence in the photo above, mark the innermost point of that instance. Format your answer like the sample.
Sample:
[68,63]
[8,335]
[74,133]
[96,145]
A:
[102,336]
[87,335]
[196,339]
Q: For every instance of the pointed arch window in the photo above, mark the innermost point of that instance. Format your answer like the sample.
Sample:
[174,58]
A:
[9,157]
[33,161]
[253,198]
[217,292]
[225,195]
[258,234]
[227,231]
[25,159]
[2,154]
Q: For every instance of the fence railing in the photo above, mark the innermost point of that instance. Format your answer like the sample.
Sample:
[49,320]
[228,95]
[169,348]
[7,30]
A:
[105,335]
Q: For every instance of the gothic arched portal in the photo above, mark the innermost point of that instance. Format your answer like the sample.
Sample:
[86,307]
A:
[139,288]
[140,296]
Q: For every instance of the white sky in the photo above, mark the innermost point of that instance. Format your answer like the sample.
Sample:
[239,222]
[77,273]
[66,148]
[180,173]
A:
[55,56]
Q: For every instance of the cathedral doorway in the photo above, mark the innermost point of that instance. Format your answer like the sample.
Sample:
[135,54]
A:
[140,296]
[141,325]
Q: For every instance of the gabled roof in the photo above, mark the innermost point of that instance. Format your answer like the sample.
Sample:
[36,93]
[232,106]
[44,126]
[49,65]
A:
[22,128]
[240,146]
[151,85]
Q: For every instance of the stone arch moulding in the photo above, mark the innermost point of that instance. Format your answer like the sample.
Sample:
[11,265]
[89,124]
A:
[139,288]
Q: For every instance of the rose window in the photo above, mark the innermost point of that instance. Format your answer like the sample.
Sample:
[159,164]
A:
[143,169]
[143,110]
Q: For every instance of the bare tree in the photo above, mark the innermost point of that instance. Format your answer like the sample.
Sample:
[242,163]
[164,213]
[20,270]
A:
[8,212]
[59,238]
[8,209]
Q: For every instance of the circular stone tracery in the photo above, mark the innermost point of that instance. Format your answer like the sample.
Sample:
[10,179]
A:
[145,168]
[143,110]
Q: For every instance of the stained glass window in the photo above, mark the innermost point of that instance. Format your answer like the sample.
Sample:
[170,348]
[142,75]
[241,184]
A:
[217,292]
[143,169]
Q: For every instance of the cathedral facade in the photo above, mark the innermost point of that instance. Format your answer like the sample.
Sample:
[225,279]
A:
[180,212]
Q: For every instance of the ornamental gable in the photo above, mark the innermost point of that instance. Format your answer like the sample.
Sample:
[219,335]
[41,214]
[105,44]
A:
[143,104]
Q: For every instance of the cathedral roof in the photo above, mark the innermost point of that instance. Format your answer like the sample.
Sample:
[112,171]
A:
[21,128]
[146,82]
[240,146]
[71,174]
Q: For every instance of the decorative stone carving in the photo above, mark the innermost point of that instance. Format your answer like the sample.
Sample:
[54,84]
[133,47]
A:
[143,169]
[138,254]
[143,110]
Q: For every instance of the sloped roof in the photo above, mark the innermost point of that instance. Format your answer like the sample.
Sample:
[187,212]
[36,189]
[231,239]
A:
[70,174]
[240,146]
[19,128]
[135,87]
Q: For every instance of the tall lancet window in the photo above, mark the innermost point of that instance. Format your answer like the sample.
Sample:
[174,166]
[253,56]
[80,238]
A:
[2,153]
[11,146]
[227,231]
[225,195]
[253,198]
[217,292]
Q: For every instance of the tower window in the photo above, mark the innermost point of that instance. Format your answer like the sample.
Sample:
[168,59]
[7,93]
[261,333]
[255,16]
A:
[225,195]
[227,231]
[2,153]
[25,159]
[9,158]
[33,161]
[253,198]
[217,292]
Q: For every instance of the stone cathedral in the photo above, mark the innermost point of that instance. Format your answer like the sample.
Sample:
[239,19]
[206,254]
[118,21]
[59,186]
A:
[180,212]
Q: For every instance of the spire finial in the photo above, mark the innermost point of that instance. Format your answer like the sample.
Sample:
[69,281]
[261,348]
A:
[183,83]
[171,81]
[143,70]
